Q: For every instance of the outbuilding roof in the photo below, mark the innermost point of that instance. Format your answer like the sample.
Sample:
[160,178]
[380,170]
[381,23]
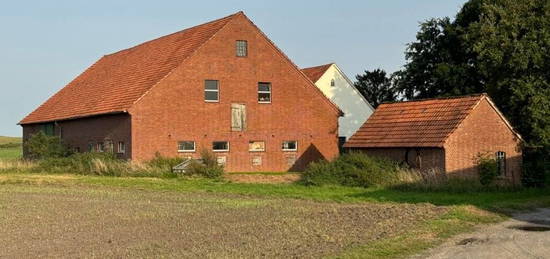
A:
[422,123]
[116,81]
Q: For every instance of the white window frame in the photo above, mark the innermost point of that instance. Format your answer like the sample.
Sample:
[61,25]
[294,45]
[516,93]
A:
[186,150]
[212,90]
[245,48]
[252,141]
[220,150]
[286,149]
[265,92]
[121,147]
[100,147]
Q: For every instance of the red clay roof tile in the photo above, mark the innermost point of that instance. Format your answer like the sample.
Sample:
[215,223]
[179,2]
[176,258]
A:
[422,123]
[314,73]
[118,80]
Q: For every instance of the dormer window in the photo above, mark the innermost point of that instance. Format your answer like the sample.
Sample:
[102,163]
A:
[332,84]
[242,48]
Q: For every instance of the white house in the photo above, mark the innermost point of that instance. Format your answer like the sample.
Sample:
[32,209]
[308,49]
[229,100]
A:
[341,91]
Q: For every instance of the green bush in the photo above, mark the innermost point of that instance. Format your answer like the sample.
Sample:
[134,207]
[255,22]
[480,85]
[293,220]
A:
[208,168]
[487,168]
[41,146]
[164,163]
[352,169]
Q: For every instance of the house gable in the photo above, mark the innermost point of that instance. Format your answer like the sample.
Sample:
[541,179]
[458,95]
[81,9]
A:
[175,108]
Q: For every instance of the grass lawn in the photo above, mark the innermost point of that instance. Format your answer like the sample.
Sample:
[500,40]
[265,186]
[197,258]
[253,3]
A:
[285,220]
[10,148]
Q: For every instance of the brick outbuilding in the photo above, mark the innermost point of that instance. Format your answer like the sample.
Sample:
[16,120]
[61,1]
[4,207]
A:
[222,86]
[444,134]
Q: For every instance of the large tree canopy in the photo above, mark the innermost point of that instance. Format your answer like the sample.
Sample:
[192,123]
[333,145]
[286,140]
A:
[501,47]
[376,87]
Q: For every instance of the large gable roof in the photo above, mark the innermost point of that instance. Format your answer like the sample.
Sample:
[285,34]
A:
[116,81]
[423,123]
[314,73]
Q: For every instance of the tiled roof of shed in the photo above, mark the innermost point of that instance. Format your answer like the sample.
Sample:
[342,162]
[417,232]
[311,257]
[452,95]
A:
[423,123]
[314,73]
[116,81]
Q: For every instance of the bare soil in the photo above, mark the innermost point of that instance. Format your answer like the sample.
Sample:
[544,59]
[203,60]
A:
[61,222]
[261,178]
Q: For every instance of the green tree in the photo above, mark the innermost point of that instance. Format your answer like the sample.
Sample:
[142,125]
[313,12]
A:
[376,86]
[496,46]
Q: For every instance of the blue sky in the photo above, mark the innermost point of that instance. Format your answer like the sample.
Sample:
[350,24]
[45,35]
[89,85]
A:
[45,44]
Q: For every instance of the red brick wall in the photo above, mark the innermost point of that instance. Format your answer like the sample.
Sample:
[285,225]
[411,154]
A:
[482,131]
[77,133]
[175,110]
[419,158]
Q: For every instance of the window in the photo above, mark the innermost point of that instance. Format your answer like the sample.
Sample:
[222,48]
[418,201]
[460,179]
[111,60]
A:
[238,117]
[100,147]
[211,91]
[186,146]
[121,149]
[109,146]
[264,92]
[256,146]
[332,83]
[48,129]
[220,146]
[291,145]
[501,162]
[242,48]
[341,142]
[90,146]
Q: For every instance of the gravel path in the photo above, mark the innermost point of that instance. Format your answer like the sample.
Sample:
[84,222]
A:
[526,235]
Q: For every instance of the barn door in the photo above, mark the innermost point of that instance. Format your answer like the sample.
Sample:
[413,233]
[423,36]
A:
[238,117]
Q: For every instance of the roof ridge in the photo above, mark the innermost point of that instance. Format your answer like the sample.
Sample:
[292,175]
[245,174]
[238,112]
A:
[173,33]
[438,98]
[185,59]
[328,64]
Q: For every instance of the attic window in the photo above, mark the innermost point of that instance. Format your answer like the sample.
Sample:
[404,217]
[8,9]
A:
[211,91]
[332,84]
[242,48]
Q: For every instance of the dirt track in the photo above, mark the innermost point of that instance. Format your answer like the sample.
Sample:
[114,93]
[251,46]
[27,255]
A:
[78,222]
[526,235]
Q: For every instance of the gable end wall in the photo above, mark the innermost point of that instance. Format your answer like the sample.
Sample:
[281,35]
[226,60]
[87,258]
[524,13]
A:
[482,131]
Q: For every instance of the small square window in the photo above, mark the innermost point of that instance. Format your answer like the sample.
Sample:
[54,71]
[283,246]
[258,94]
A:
[220,146]
[256,146]
[291,145]
[264,92]
[242,48]
[211,91]
[186,146]
[100,147]
[121,148]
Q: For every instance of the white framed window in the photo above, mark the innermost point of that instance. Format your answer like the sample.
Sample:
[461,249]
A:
[100,147]
[256,146]
[290,145]
[242,48]
[264,92]
[211,91]
[220,146]
[121,147]
[186,146]
[501,162]
[109,146]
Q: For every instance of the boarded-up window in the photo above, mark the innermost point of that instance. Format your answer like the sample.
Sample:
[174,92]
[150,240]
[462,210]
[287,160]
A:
[238,117]
[256,146]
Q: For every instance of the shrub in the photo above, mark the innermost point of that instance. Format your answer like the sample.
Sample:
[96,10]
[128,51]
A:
[40,146]
[536,166]
[487,168]
[352,169]
[208,168]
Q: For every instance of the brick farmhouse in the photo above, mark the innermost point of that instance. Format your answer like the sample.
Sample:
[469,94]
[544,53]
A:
[443,134]
[222,86]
